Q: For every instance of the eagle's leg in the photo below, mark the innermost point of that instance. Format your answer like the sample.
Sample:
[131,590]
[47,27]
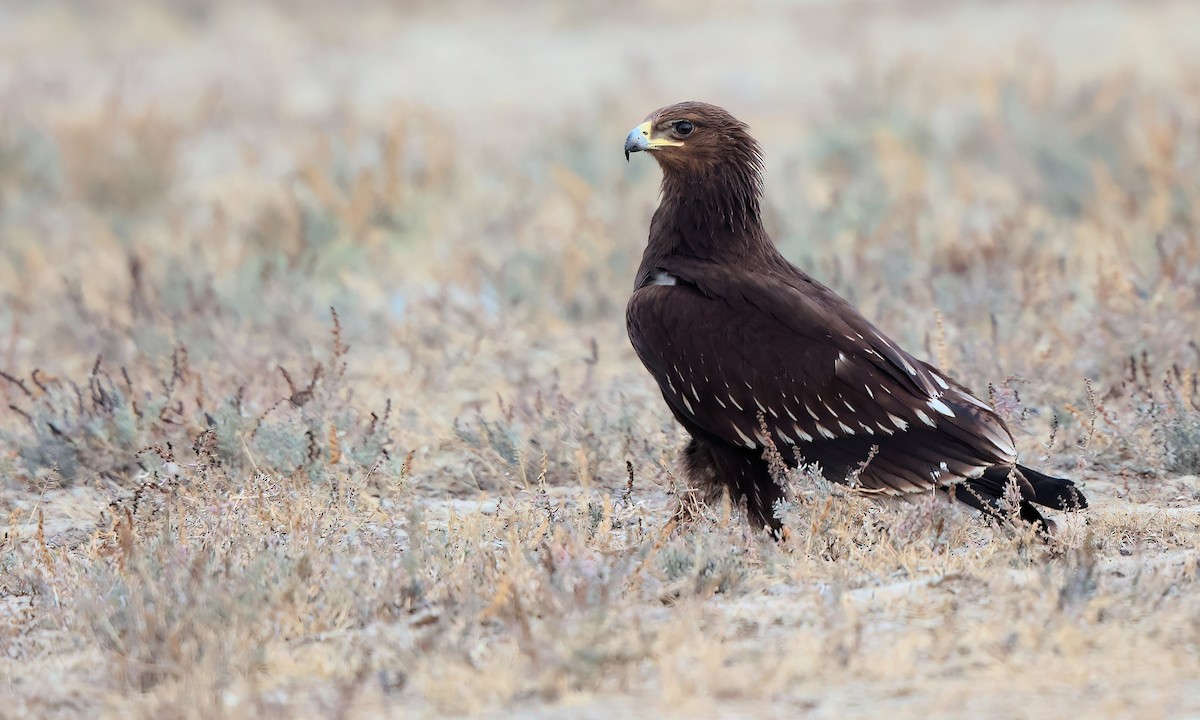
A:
[713,467]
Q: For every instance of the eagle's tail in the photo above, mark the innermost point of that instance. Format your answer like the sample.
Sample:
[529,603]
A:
[1053,492]
[986,493]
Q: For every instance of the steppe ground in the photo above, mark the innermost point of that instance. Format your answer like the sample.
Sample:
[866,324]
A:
[315,398]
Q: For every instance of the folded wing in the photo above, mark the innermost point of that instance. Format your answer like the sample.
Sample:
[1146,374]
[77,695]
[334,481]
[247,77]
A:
[748,356]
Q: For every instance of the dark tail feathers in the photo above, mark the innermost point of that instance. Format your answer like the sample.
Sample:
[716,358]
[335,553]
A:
[986,493]
[1052,492]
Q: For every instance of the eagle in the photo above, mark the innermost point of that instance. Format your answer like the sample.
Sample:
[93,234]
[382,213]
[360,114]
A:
[758,361]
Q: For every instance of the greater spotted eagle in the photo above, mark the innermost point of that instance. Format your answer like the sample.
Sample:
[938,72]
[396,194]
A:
[751,352]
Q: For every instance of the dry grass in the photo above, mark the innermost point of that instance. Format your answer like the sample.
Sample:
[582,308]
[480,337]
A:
[319,402]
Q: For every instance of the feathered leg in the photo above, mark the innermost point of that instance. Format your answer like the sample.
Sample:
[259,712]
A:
[714,467]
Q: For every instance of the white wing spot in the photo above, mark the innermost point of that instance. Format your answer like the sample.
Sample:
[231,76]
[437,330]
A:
[870,391]
[825,433]
[788,410]
[735,403]
[845,428]
[940,381]
[899,423]
[801,434]
[1003,443]
[687,403]
[925,418]
[941,407]
[665,278]
[975,401]
[749,443]
[694,393]
[721,402]
[899,353]
[810,412]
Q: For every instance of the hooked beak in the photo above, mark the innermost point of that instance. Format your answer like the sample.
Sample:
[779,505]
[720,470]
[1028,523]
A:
[640,139]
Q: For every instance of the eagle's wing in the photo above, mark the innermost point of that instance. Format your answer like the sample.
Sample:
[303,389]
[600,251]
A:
[739,355]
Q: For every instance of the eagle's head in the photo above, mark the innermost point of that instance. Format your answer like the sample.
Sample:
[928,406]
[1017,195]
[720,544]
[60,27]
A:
[695,136]
[712,167]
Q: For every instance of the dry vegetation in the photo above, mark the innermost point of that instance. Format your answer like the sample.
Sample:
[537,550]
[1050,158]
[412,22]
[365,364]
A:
[315,398]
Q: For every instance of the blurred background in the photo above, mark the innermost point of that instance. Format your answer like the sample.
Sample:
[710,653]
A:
[1007,188]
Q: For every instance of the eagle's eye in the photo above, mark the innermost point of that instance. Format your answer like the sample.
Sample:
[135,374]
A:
[684,128]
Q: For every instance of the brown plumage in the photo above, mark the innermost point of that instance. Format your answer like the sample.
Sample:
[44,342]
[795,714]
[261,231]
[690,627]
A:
[745,345]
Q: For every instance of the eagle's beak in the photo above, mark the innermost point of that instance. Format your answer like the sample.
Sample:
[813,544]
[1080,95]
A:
[638,139]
